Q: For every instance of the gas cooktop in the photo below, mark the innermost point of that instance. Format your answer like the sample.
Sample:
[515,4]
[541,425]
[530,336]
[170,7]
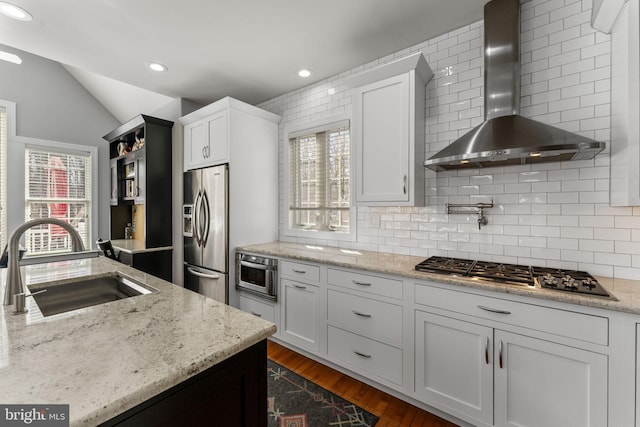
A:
[544,277]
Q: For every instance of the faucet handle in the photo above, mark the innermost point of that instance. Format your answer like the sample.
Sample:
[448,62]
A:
[19,301]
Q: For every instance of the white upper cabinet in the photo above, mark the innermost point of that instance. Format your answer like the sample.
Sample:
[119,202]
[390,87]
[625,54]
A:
[214,132]
[388,132]
[625,108]
[206,142]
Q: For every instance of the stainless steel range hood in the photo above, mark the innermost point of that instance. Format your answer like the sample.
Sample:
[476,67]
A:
[505,137]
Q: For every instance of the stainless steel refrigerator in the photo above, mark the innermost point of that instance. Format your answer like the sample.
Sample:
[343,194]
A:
[205,232]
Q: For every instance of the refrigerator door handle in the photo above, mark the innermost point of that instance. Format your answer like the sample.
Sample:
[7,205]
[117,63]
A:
[203,275]
[207,218]
[196,219]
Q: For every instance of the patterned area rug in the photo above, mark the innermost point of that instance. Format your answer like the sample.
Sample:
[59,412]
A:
[297,402]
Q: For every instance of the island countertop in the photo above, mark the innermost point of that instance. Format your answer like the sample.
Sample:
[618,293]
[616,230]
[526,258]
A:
[626,292]
[134,246]
[106,359]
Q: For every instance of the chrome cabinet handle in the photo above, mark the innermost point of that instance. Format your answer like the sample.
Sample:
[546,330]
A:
[299,271]
[357,313]
[355,282]
[404,184]
[299,286]
[256,314]
[493,310]
[486,351]
[500,354]
[366,356]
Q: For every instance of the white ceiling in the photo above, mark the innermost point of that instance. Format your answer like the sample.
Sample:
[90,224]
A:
[248,49]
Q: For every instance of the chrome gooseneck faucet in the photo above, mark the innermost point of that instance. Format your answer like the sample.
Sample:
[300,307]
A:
[14,279]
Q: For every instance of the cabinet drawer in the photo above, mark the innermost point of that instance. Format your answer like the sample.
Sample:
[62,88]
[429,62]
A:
[262,309]
[365,282]
[374,319]
[579,326]
[377,359]
[299,271]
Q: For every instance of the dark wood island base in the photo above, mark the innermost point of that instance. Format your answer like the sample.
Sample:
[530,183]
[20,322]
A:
[231,393]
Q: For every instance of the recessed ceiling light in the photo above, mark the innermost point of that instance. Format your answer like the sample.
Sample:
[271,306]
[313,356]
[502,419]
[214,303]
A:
[304,73]
[155,66]
[10,57]
[15,12]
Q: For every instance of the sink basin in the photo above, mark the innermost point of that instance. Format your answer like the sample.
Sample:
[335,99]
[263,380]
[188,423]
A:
[85,293]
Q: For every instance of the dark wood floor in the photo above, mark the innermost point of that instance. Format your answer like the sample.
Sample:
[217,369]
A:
[392,412]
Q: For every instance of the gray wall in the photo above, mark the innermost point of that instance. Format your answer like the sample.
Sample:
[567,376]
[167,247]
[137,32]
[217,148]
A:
[52,105]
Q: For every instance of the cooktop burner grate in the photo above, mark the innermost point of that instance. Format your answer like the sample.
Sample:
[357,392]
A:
[568,280]
[437,264]
[502,272]
[548,278]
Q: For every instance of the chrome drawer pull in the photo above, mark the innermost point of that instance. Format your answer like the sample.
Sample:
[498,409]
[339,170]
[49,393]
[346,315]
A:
[366,356]
[355,282]
[299,286]
[493,310]
[486,351]
[357,313]
[256,314]
[299,271]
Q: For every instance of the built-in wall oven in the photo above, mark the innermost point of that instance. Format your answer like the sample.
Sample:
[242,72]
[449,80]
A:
[257,275]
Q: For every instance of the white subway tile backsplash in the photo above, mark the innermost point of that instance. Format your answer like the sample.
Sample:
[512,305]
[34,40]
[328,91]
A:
[554,214]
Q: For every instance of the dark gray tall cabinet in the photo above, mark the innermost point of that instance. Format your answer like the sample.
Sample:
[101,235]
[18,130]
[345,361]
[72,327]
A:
[141,193]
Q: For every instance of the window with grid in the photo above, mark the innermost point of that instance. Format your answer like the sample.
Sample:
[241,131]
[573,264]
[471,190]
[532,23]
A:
[57,185]
[320,178]
[3,177]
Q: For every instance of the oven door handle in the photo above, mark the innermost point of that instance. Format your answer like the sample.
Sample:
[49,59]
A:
[257,266]
[203,275]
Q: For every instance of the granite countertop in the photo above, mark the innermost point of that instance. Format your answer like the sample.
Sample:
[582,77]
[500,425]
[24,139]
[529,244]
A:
[106,359]
[626,292]
[134,246]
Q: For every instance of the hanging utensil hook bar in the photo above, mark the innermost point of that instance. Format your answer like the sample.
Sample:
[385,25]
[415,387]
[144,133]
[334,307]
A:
[482,220]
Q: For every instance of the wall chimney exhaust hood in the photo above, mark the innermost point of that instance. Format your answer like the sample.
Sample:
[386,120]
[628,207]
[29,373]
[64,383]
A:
[506,138]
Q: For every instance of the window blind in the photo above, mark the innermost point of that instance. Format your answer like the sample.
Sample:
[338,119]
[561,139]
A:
[57,185]
[3,177]
[320,178]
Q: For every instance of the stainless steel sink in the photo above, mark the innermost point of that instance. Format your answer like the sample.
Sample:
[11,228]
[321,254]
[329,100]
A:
[85,293]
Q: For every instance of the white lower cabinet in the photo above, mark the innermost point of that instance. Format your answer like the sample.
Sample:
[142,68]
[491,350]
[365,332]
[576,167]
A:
[376,359]
[493,377]
[637,376]
[300,314]
[454,366]
[258,307]
[540,383]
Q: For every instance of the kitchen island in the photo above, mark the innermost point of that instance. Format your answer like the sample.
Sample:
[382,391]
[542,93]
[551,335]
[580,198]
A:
[107,359]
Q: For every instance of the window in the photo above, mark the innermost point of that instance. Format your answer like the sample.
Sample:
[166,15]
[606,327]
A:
[319,160]
[57,185]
